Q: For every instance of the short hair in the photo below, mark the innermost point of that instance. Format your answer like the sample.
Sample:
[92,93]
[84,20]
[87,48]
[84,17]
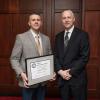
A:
[35,14]
[69,11]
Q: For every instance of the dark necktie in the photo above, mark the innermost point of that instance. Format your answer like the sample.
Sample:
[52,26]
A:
[66,40]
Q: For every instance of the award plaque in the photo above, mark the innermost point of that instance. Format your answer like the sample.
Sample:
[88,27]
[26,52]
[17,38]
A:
[39,69]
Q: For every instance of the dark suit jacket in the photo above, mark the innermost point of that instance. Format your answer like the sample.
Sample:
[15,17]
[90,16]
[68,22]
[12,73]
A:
[75,57]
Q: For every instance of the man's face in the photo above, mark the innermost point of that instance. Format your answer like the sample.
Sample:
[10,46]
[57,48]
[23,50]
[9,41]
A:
[35,22]
[68,19]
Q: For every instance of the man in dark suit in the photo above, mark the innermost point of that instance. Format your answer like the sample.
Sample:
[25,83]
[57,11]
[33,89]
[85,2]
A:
[71,57]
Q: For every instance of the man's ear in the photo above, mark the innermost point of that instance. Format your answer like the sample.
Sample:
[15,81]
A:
[74,19]
[29,23]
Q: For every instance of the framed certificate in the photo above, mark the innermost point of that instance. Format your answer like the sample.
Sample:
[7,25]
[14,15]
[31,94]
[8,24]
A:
[39,69]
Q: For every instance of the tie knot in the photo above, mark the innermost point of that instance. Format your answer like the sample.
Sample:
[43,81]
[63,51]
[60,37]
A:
[37,36]
[66,35]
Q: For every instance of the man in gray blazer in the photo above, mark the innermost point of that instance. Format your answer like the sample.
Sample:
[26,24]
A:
[25,47]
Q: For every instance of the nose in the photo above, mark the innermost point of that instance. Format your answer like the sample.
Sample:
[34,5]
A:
[66,20]
[36,22]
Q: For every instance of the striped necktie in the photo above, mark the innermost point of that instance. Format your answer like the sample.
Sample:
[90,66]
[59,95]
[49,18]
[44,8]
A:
[66,39]
[39,46]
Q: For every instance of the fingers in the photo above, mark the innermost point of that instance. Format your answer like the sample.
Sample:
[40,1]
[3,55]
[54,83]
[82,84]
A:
[25,79]
[65,74]
[68,77]
[54,77]
[26,84]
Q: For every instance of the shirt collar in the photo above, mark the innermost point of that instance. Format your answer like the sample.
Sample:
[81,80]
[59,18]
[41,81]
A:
[34,34]
[70,31]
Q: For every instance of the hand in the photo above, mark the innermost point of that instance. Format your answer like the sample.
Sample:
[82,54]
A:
[62,73]
[25,79]
[68,75]
[54,77]
[65,74]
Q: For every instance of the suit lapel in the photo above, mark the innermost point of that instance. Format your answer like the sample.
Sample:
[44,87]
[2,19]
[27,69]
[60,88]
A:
[32,41]
[61,43]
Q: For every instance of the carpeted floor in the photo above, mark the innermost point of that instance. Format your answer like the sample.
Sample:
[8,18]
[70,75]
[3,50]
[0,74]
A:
[19,98]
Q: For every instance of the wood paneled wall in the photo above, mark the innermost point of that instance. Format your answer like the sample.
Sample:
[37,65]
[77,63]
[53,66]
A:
[13,20]
[92,26]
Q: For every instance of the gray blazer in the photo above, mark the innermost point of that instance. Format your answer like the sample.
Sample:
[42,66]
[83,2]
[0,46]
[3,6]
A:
[24,47]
